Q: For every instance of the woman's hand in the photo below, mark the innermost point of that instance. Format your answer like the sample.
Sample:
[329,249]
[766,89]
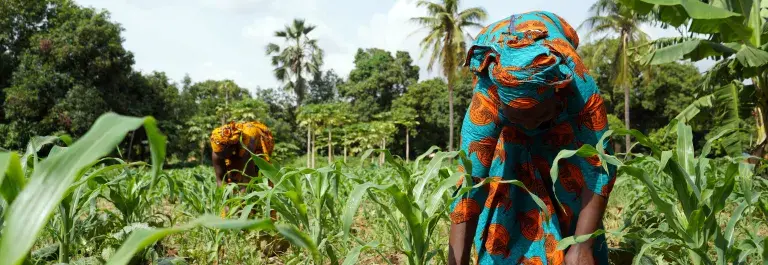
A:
[580,254]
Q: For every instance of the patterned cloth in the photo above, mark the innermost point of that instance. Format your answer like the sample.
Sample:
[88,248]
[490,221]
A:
[253,134]
[519,62]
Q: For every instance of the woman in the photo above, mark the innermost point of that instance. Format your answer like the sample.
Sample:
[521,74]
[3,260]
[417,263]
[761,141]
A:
[231,159]
[228,154]
[533,98]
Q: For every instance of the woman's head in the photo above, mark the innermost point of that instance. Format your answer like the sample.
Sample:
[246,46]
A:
[224,138]
[531,118]
[528,57]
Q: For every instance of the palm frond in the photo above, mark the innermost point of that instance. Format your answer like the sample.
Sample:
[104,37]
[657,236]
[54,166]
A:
[432,8]
[272,48]
[473,14]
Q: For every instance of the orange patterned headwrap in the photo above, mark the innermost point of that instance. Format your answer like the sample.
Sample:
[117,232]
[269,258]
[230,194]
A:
[228,134]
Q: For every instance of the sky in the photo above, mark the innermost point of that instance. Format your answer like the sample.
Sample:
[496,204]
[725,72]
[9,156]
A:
[226,39]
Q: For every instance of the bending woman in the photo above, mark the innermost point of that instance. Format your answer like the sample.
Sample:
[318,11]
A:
[533,97]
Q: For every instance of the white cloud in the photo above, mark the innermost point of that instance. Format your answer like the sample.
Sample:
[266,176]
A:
[263,28]
[393,31]
[232,5]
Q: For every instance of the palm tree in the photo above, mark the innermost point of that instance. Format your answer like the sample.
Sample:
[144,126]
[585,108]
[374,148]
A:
[300,58]
[610,17]
[447,40]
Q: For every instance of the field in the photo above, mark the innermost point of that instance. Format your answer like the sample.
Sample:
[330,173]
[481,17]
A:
[362,212]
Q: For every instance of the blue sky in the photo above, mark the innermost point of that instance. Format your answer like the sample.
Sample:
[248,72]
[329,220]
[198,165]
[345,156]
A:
[225,39]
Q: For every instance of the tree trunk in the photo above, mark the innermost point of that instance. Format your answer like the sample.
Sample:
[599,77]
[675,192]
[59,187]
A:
[625,40]
[330,148]
[314,149]
[407,147]
[450,115]
[626,118]
[381,155]
[761,117]
[202,152]
[309,146]
[345,154]
[130,145]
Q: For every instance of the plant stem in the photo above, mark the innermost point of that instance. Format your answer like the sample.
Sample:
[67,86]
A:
[64,233]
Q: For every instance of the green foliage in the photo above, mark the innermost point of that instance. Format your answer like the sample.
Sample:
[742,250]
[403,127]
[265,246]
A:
[429,99]
[325,88]
[731,32]
[378,79]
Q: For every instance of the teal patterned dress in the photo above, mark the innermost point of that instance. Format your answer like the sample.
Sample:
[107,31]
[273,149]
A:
[518,62]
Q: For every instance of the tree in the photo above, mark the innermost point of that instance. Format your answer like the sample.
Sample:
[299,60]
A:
[282,113]
[19,21]
[299,59]
[77,48]
[723,29]
[226,87]
[407,118]
[429,99]
[377,80]
[309,117]
[447,40]
[609,16]
[324,88]
[208,95]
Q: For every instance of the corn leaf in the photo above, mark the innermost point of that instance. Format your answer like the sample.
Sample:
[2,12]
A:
[141,238]
[11,176]
[34,146]
[354,253]
[53,176]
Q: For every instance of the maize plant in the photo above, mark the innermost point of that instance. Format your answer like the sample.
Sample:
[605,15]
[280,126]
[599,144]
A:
[701,191]
[33,194]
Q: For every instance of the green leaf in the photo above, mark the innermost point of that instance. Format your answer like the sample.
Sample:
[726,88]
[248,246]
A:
[353,203]
[571,240]
[750,56]
[141,238]
[34,146]
[665,207]
[12,179]
[727,99]
[354,253]
[422,156]
[51,179]
[694,109]
[436,199]
[735,218]
[704,18]
[685,147]
[433,168]
[694,50]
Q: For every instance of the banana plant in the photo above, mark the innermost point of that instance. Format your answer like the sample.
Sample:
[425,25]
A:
[733,32]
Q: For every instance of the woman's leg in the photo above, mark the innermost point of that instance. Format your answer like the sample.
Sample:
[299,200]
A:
[460,242]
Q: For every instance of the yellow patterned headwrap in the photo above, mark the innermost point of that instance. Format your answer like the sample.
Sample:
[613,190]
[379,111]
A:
[228,134]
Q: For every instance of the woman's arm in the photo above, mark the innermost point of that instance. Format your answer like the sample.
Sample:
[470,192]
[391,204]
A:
[593,207]
[589,127]
[479,138]
[219,166]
